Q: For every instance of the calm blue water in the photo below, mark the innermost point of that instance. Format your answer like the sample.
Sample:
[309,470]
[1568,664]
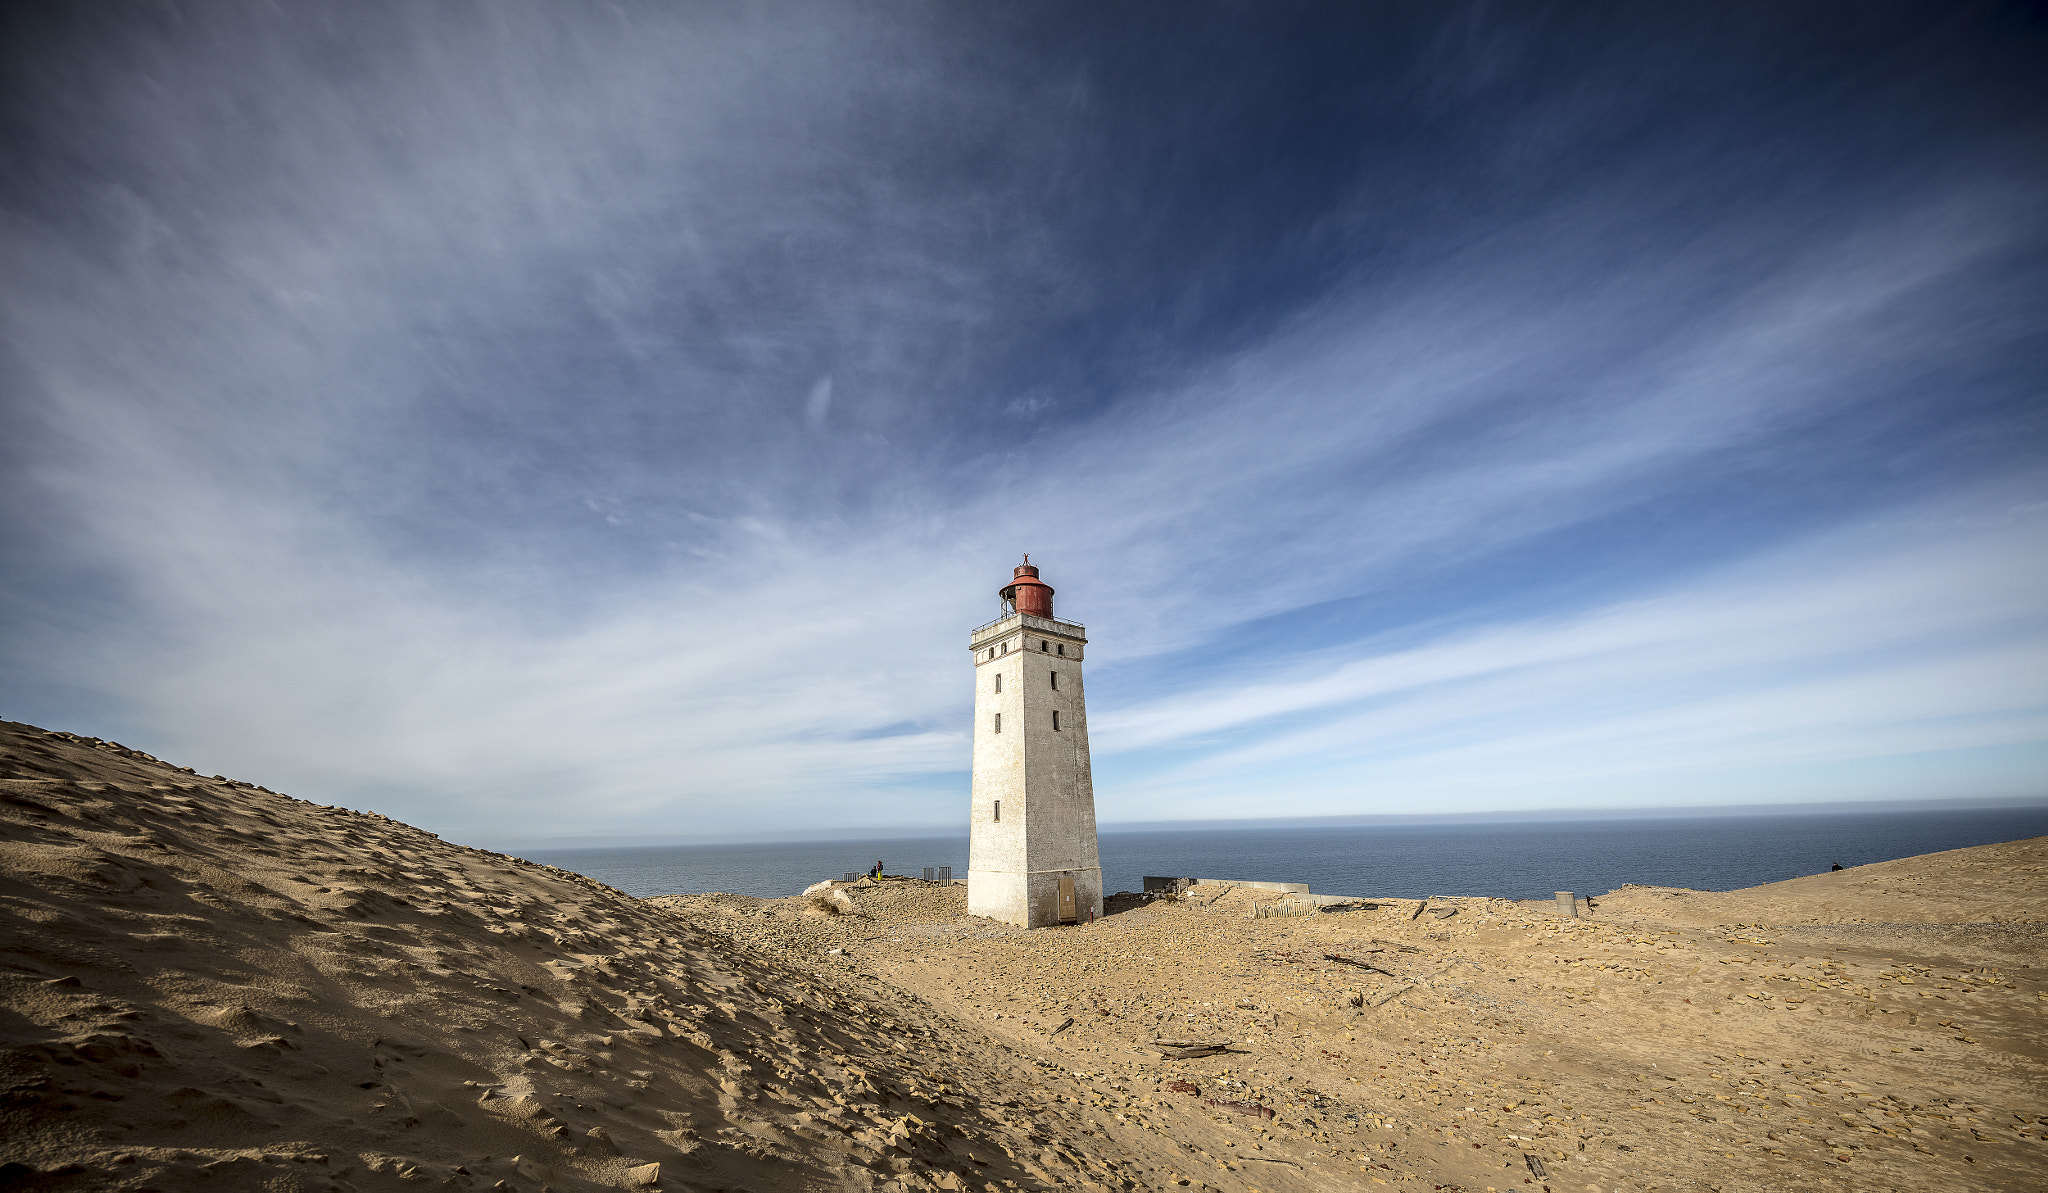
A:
[1517,861]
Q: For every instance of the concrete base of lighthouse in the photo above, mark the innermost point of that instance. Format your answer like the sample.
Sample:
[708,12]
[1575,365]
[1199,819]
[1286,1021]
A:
[1032,900]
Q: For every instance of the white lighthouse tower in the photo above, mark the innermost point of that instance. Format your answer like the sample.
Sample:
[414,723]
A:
[1031,857]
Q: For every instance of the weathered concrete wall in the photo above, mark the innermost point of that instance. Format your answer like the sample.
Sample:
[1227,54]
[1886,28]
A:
[1283,907]
[1295,888]
[1041,775]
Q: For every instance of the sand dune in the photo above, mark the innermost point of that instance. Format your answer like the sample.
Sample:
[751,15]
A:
[209,984]
[1990,884]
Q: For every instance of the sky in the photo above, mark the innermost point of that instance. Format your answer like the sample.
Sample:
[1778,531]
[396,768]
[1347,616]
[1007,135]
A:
[606,422]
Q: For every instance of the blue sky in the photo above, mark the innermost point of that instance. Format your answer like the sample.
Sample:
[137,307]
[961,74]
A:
[541,421]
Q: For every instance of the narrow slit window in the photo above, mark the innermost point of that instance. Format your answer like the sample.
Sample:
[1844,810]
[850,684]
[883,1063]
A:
[999,681]
[999,809]
[1055,680]
[999,722]
[1055,720]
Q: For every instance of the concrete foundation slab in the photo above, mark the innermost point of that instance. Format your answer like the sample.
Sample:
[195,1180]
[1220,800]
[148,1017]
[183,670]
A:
[1293,888]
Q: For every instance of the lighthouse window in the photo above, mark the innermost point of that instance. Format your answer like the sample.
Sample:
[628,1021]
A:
[1055,720]
[999,809]
[1055,680]
[1063,648]
[999,681]
[999,722]
[1044,645]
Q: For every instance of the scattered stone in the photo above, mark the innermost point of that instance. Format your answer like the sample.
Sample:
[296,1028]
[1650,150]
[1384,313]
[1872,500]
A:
[533,1170]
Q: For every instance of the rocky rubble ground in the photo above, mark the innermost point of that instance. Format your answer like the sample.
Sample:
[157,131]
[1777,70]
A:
[1485,1044]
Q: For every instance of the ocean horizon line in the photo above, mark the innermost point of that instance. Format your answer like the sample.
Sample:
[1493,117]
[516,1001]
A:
[855,834]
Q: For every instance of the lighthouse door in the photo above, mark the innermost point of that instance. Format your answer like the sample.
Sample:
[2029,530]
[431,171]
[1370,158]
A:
[1067,913]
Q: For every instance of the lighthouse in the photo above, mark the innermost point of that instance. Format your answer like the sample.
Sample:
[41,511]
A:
[1031,854]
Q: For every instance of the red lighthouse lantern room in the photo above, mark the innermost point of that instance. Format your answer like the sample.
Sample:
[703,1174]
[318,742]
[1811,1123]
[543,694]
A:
[1027,593]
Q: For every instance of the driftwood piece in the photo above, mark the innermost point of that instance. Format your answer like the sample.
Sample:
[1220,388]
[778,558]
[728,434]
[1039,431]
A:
[1341,959]
[1536,1168]
[1187,1049]
[1062,1027]
[1251,1108]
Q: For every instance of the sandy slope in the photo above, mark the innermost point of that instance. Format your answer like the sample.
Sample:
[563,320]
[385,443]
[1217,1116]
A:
[273,993]
[209,984]
[1991,884]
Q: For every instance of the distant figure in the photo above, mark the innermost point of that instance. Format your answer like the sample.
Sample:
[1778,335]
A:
[877,871]
[1838,865]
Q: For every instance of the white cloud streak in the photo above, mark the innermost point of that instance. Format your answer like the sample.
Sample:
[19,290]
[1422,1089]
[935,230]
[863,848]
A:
[1878,645]
[223,425]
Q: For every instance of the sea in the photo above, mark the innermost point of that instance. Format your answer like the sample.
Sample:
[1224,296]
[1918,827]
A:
[1527,860]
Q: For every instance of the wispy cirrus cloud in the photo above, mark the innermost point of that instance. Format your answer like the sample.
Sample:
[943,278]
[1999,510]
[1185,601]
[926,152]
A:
[1877,645]
[615,424]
